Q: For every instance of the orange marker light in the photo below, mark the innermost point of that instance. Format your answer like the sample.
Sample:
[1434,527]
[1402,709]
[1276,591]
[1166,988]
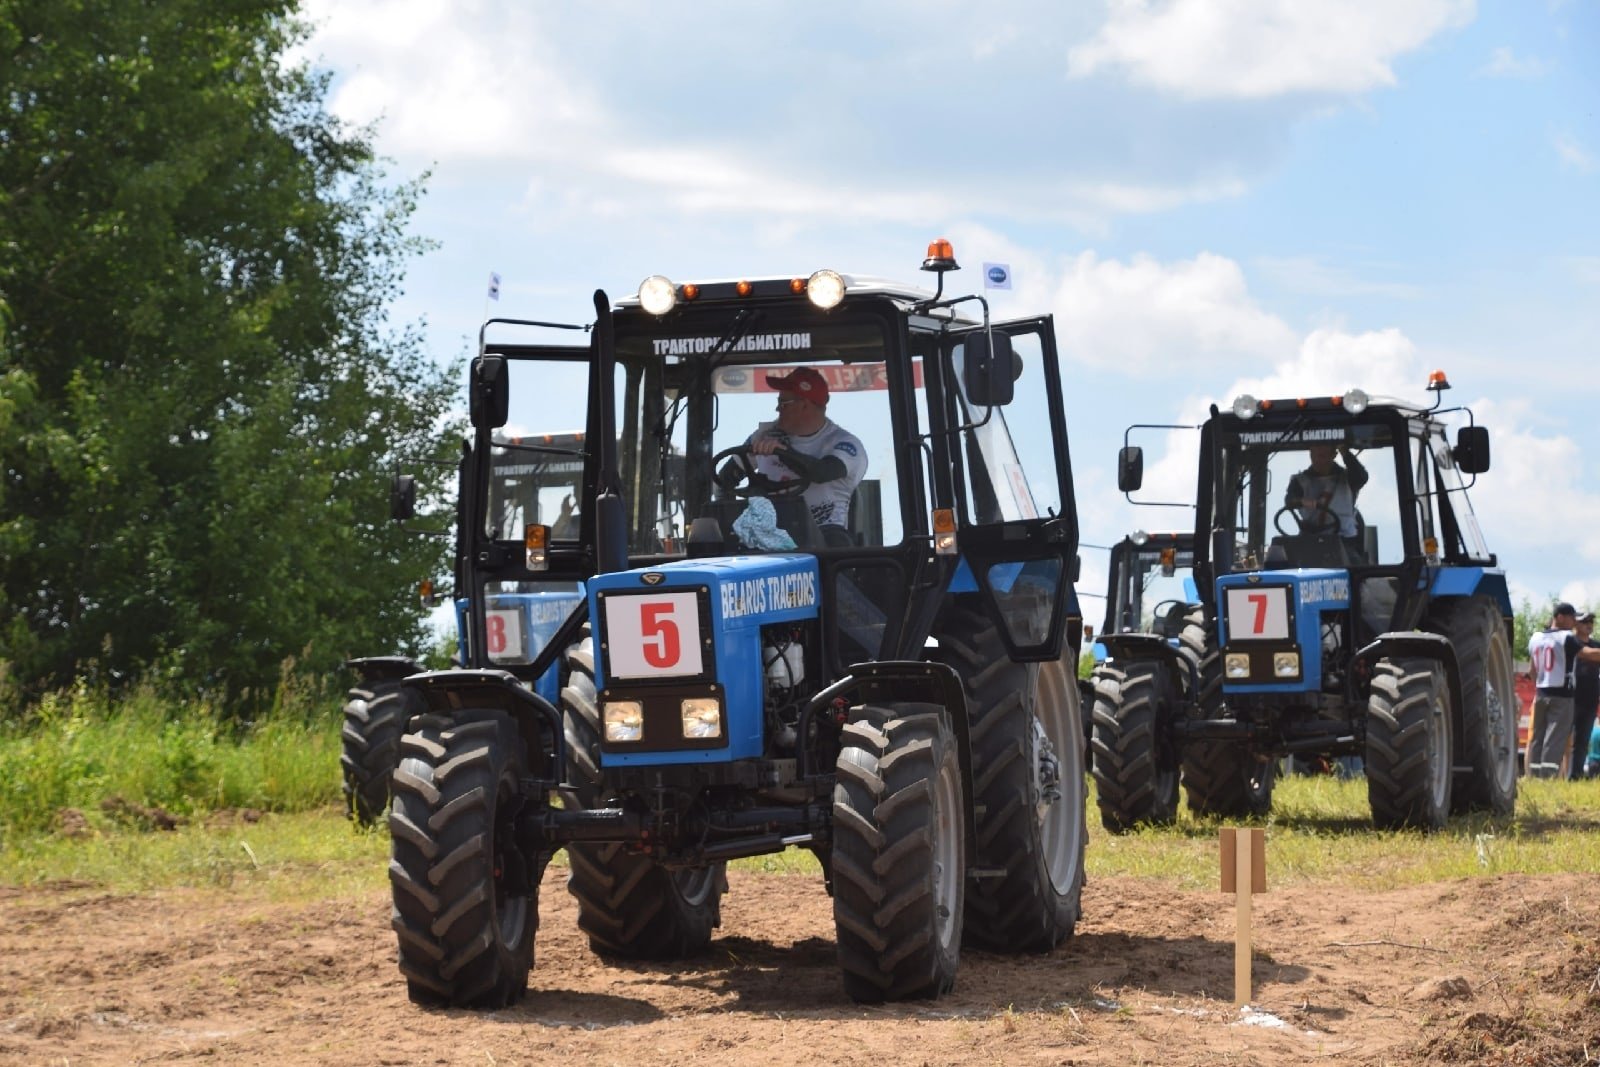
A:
[690,290]
[797,285]
[944,532]
[743,288]
[536,539]
[940,248]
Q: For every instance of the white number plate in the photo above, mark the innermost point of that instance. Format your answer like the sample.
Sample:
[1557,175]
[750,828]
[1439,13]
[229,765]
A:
[1258,614]
[505,635]
[653,635]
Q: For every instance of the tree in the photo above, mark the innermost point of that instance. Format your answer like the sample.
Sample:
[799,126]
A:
[200,394]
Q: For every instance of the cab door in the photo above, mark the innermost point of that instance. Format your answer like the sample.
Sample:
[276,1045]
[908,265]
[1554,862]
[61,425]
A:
[1017,525]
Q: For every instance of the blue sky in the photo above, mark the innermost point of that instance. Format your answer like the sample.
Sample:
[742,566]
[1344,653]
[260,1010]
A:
[1211,196]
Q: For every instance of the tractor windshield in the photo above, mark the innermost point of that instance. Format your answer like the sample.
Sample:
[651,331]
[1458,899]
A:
[1152,584]
[1299,494]
[694,396]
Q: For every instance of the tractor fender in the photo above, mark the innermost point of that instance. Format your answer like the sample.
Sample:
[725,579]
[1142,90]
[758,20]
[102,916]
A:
[446,692]
[384,668]
[1151,647]
[1417,644]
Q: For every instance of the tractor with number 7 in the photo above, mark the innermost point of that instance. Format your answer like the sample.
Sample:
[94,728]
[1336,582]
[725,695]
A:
[1348,607]
[763,658]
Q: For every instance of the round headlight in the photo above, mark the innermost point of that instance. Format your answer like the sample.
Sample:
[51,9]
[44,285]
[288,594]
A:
[657,295]
[1244,406]
[825,289]
[1356,401]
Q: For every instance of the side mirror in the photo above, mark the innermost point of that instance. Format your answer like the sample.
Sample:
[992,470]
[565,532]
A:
[1130,468]
[402,497]
[1472,449]
[489,396]
[989,368]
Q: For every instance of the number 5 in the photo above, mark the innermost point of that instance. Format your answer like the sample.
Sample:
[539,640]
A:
[661,644]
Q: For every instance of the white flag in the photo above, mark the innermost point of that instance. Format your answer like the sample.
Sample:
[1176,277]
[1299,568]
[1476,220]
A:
[494,286]
[997,275]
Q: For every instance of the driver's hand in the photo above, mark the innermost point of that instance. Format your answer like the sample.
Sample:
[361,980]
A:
[765,445]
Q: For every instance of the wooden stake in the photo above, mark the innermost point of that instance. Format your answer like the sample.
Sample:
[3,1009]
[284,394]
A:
[1244,872]
[1241,934]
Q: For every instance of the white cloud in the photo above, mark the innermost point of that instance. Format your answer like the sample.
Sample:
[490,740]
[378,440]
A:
[1252,49]
[1143,315]
[1503,63]
[1574,154]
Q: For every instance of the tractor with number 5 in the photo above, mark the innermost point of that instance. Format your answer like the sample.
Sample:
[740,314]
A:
[856,643]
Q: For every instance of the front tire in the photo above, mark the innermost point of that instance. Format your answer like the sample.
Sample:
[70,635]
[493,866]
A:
[1477,631]
[1135,771]
[375,716]
[898,853]
[466,903]
[1408,746]
[1028,787]
[630,906]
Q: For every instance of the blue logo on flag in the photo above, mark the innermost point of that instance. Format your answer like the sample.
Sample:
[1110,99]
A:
[997,275]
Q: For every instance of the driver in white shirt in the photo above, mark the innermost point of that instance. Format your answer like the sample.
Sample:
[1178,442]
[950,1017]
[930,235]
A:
[834,459]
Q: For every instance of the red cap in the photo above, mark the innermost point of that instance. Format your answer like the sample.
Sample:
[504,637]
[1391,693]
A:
[804,382]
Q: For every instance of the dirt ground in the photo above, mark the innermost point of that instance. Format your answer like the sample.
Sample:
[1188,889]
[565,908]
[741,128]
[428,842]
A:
[1501,971]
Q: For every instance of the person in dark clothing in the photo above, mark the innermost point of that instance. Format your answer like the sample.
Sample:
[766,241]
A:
[1323,496]
[1585,696]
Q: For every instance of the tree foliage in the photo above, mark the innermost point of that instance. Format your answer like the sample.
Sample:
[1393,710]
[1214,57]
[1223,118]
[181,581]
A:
[200,393]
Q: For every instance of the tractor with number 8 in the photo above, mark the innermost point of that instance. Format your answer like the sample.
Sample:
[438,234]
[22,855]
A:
[540,475]
[1349,606]
[881,676]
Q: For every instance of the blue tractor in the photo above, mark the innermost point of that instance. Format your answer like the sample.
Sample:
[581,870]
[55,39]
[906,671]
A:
[1349,606]
[881,676]
[534,477]
[1150,594]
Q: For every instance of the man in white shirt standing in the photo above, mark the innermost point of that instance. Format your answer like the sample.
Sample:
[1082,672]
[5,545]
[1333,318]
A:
[833,458]
[1553,653]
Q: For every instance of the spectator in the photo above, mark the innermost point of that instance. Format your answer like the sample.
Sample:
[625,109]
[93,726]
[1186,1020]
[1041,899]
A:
[1585,697]
[1554,653]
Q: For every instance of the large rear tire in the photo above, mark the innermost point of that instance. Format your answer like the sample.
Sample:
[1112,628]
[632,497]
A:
[1408,745]
[1477,632]
[898,853]
[466,904]
[630,906]
[1028,788]
[375,716]
[1135,769]
[1221,779]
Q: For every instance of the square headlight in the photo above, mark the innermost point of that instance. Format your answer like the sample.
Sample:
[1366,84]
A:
[1286,664]
[702,718]
[1236,664]
[624,720]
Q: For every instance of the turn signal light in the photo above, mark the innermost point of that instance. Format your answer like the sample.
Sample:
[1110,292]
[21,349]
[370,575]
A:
[536,539]
[944,532]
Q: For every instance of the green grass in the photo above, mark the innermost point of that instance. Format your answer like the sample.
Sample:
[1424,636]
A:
[259,809]
[1320,831]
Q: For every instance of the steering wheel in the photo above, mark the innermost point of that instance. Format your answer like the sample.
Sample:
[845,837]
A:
[1322,521]
[743,480]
